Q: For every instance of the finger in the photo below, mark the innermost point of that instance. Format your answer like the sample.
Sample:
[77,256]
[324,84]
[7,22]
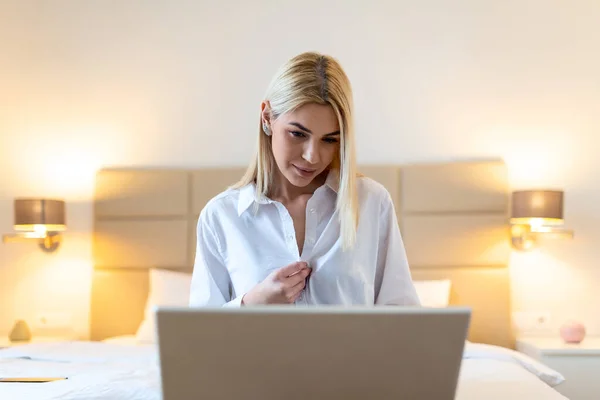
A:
[295,297]
[295,291]
[297,278]
[291,269]
[307,269]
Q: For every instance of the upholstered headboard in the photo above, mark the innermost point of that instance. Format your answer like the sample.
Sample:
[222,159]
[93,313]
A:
[453,218]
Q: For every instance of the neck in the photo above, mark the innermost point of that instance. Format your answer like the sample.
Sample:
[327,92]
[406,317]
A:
[283,190]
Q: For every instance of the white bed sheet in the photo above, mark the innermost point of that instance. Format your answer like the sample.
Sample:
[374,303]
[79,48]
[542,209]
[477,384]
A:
[95,371]
[118,371]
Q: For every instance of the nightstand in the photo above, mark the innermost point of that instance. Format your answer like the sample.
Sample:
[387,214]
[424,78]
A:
[5,342]
[578,363]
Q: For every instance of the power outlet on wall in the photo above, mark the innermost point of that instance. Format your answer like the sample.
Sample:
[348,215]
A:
[532,322]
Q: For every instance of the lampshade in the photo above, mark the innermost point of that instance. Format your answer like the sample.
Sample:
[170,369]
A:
[537,207]
[39,215]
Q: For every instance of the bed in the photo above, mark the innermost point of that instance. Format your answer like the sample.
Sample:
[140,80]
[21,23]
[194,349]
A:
[454,221]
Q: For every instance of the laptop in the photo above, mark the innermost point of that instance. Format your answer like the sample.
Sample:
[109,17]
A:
[325,352]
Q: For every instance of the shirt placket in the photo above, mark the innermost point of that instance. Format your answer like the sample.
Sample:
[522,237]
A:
[310,232]
[310,238]
[288,230]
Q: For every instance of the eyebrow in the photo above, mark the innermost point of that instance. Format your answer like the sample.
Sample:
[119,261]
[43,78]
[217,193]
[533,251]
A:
[302,127]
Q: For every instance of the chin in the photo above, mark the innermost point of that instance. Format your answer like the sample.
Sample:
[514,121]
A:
[298,181]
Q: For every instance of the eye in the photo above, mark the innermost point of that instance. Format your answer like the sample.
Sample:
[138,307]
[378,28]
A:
[297,134]
[331,140]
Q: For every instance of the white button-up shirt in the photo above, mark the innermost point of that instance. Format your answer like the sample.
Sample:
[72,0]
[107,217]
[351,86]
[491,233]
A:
[241,239]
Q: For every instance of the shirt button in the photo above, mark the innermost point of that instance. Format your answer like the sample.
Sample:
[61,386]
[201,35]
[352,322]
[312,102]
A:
[312,210]
[311,240]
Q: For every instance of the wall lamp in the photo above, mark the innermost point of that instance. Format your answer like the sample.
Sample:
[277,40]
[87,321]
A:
[536,214]
[40,220]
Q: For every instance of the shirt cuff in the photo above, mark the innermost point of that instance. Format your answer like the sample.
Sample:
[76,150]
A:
[237,302]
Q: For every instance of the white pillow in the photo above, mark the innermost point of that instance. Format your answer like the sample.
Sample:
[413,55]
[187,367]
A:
[488,351]
[167,288]
[433,293]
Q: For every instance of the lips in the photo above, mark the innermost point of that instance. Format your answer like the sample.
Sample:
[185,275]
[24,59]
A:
[305,171]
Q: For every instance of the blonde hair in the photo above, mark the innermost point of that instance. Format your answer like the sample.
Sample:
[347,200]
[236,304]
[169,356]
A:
[312,78]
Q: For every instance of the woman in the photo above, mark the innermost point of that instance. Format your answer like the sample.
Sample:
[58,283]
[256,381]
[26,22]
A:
[301,226]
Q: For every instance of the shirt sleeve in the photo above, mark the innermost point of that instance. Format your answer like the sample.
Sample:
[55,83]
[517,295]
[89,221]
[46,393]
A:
[211,284]
[394,280]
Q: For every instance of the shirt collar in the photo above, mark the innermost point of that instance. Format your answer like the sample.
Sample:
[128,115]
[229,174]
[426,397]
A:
[247,197]
[248,194]
[333,180]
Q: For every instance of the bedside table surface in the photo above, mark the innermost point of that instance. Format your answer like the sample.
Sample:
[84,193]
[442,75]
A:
[555,345]
[578,363]
[5,341]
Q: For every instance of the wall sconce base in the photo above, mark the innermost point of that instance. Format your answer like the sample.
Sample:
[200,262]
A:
[51,242]
[48,242]
[524,238]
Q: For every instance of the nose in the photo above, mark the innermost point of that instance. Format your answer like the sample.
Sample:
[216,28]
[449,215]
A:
[311,152]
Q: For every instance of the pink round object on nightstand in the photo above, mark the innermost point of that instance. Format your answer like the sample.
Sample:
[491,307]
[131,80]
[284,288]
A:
[572,332]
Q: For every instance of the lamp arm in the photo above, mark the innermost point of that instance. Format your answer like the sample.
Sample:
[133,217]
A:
[48,242]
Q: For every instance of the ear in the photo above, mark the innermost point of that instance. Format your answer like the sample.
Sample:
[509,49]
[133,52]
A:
[265,111]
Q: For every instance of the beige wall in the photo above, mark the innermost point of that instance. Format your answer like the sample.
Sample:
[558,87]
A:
[86,84]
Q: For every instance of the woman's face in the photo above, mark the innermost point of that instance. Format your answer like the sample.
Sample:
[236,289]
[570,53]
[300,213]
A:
[304,142]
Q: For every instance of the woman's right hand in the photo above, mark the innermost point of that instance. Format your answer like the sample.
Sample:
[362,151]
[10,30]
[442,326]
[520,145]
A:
[282,286]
